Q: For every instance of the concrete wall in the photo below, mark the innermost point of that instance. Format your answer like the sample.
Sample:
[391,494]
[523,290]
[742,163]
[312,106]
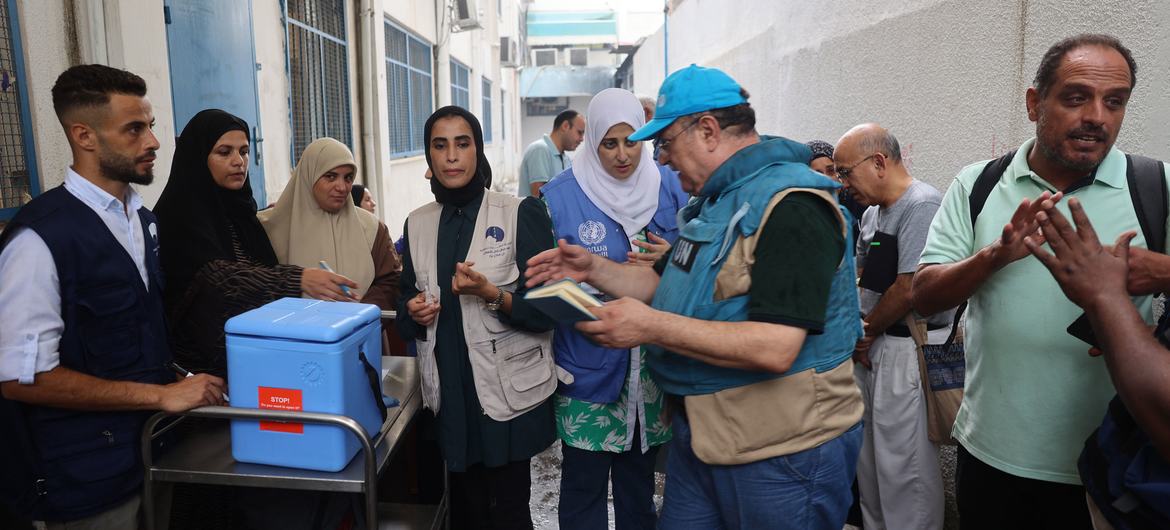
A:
[50,34]
[404,186]
[947,76]
[48,50]
[268,32]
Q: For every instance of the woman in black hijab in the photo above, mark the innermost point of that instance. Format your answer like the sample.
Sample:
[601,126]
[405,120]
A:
[215,256]
[362,198]
[487,441]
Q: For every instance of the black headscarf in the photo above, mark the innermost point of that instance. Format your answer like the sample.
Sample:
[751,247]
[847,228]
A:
[483,172]
[358,192]
[194,213]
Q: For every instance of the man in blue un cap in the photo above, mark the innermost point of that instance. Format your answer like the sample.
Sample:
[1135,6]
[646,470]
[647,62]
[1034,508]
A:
[749,321]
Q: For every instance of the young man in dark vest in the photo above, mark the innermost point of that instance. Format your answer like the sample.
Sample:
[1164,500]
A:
[83,349]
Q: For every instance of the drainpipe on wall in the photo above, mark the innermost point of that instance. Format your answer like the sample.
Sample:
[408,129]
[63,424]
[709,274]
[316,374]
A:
[442,70]
[666,38]
[367,85]
[91,31]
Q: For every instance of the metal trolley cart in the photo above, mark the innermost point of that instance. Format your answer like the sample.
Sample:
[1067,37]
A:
[206,458]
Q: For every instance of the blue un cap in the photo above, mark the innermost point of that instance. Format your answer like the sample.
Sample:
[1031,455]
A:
[691,90]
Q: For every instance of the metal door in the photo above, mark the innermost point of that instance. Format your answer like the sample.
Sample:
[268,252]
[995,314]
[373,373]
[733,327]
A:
[213,65]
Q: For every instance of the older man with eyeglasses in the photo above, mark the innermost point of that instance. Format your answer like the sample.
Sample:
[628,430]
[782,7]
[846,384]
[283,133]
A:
[898,473]
[749,322]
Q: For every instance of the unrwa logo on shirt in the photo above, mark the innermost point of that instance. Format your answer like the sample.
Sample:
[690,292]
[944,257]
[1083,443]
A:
[495,232]
[591,232]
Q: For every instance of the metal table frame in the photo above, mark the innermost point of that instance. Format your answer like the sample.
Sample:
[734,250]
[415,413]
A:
[360,476]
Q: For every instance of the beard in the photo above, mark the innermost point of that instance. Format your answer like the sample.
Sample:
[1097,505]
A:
[124,169]
[1051,150]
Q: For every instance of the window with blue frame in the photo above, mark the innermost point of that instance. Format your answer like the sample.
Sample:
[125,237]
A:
[19,181]
[460,85]
[487,110]
[408,90]
[318,72]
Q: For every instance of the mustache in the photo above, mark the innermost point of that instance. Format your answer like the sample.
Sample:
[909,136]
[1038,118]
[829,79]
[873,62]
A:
[1092,131]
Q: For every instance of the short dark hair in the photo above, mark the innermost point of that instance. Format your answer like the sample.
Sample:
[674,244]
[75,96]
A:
[1046,73]
[565,116]
[737,119]
[90,85]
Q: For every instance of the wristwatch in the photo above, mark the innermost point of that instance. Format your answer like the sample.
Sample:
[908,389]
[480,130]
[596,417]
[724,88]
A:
[496,303]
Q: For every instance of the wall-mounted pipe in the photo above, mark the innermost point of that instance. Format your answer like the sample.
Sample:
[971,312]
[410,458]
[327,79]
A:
[91,31]
[665,38]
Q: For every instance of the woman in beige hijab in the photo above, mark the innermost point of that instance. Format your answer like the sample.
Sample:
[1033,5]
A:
[315,221]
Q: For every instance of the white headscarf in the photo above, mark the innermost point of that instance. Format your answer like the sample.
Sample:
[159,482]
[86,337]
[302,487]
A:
[303,234]
[633,201]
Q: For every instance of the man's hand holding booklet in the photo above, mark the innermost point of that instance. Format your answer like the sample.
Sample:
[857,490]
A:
[565,301]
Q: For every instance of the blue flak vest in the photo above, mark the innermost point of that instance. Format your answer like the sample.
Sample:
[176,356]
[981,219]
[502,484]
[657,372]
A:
[731,205]
[599,373]
[62,464]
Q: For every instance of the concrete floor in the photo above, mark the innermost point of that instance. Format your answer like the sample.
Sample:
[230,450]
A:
[546,485]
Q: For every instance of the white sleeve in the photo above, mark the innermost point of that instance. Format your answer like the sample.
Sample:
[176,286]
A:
[30,308]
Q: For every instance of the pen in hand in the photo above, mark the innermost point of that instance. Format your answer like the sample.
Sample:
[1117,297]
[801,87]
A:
[183,372]
[325,266]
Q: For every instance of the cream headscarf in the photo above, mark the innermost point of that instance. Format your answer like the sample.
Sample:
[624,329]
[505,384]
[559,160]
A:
[303,234]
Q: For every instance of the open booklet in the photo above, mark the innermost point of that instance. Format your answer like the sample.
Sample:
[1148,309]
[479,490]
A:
[565,301]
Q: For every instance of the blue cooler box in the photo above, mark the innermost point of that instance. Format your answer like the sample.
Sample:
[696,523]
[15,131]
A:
[299,354]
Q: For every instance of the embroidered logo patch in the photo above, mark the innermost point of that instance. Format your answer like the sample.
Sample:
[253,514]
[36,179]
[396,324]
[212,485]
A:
[591,232]
[495,232]
[684,254]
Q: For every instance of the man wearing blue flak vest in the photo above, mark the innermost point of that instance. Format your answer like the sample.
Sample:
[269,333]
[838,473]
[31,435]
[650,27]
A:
[750,321]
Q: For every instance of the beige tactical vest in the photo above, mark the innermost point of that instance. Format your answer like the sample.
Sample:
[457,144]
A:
[513,369]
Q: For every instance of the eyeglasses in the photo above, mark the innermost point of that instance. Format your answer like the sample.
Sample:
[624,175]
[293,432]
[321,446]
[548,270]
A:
[661,145]
[844,172]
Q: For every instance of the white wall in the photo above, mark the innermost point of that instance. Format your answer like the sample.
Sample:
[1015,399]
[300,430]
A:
[46,55]
[136,40]
[404,186]
[141,48]
[948,77]
[272,84]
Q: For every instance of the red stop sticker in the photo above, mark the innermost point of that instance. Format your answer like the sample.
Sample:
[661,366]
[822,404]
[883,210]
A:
[280,399]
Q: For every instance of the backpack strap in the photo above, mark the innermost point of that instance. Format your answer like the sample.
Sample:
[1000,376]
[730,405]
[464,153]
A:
[986,182]
[1147,189]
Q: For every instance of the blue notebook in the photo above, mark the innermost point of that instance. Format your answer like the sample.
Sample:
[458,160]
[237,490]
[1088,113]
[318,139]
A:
[565,301]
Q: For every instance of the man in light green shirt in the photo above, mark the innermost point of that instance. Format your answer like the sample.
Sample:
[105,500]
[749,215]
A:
[545,158]
[1033,394]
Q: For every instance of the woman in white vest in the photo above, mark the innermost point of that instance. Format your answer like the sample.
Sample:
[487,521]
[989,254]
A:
[483,352]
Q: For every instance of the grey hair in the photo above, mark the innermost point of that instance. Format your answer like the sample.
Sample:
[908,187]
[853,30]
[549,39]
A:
[881,141]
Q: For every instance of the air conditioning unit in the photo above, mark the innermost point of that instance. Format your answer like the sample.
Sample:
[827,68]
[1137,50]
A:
[509,52]
[466,15]
[579,56]
[544,57]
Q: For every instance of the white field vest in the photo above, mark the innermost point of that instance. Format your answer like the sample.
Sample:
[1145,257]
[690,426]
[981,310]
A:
[513,369]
